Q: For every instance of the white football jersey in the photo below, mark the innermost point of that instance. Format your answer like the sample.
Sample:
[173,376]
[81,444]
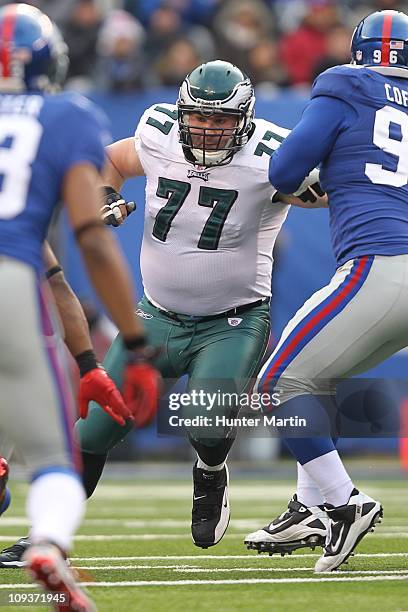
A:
[209,232]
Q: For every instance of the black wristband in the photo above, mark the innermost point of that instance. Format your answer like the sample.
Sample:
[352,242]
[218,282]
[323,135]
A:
[135,342]
[86,362]
[52,271]
[110,190]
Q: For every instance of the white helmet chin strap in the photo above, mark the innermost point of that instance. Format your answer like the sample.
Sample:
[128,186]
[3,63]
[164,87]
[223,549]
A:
[212,158]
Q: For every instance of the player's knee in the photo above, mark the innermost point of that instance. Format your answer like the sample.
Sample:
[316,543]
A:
[99,440]
[89,441]
[92,444]
[289,387]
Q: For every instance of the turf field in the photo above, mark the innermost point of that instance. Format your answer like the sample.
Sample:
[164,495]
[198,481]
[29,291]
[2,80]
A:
[135,553]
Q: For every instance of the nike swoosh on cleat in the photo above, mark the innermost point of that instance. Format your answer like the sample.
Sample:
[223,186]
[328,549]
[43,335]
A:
[335,547]
[200,497]
[281,525]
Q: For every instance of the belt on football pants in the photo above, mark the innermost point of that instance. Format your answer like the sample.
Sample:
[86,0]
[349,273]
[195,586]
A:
[233,312]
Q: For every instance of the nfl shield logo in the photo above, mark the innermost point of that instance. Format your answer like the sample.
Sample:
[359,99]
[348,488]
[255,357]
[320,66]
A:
[234,322]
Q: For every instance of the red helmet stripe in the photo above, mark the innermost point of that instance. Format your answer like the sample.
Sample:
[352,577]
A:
[386,37]
[6,35]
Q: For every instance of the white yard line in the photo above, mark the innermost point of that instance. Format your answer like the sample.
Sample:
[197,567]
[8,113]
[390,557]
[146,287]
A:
[20,521]
[247,523]
[140,583]
[142,567]
[201,570]
[182,491]
[387,534]
[100,537]
[212,557]
[136,537]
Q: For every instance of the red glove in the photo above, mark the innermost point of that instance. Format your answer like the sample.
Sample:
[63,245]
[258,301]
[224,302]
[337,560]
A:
[96,385]
[141,386]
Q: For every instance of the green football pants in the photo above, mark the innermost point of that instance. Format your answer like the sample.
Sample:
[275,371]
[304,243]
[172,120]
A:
[216,354]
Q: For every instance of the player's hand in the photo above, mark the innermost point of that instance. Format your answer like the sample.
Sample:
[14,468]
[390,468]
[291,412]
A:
[141,385]
[115,209]
[311,193]
[97,386]
[314,197]
[310,199]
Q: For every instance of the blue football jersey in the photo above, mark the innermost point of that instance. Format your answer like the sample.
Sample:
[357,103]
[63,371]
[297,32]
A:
[356,128]
[41,138]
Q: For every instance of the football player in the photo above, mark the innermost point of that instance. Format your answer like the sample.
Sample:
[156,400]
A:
[210,226]
[95,384]
[51,146]
[359,319]
[199,282]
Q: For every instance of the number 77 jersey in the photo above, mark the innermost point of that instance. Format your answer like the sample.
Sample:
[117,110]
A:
[366,171]
[209,231]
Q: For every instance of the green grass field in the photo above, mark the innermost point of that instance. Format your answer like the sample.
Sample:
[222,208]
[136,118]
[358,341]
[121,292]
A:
[134,550]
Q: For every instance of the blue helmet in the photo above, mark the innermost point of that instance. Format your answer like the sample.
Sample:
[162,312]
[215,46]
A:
[381,39]
[33,55]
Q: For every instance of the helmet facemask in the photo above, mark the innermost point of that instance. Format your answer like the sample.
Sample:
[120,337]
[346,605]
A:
[214,90]
[211,146]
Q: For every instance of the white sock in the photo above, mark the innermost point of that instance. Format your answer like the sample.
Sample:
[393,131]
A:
[329,474]
[307,491]
[55,506]
[209,468]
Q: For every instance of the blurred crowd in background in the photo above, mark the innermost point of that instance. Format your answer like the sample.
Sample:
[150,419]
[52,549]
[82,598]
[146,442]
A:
[127,45]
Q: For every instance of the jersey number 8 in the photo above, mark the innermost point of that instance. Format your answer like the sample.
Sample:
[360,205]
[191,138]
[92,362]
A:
[19,140]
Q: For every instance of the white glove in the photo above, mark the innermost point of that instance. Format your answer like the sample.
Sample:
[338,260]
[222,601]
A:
[310,189]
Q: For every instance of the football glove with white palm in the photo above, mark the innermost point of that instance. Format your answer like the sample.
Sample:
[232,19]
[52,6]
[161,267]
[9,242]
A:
[115,209]
[310,189]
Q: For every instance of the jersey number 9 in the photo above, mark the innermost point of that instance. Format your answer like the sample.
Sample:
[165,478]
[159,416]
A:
[384,117]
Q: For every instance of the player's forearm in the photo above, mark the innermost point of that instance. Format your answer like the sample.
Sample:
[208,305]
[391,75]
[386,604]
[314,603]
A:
[307,145]
[320,202]
[73,318]
[111,175]
[108,273]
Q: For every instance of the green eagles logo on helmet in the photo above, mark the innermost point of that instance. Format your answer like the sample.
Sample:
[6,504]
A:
[212,89]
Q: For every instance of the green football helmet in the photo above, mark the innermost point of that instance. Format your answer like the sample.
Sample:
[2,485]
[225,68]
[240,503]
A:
[215,88]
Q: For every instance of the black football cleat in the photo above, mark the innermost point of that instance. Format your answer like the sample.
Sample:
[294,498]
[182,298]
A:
[211,510]
[12,557]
